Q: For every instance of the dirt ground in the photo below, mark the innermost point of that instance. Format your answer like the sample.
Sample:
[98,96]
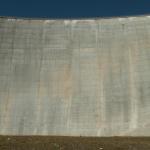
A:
[73,143]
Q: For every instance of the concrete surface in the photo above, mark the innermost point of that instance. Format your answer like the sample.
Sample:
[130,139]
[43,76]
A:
[75,77]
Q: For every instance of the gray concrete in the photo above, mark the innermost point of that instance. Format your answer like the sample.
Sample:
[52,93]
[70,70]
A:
[75,77]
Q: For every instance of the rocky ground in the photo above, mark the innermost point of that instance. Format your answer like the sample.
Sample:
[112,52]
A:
[73,143]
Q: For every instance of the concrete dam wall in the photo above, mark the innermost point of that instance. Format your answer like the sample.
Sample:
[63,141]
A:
[75,77]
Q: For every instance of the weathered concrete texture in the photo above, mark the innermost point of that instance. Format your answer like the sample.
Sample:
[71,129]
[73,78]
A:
[75,77]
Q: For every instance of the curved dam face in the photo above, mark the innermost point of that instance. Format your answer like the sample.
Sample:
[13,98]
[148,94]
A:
[75,77]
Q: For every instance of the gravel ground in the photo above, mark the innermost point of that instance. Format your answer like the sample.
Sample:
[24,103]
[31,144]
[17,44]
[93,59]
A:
[73,143]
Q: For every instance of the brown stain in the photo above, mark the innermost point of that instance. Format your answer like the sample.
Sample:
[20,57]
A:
[7,110]
[66,82]
[42,90]
[61,85]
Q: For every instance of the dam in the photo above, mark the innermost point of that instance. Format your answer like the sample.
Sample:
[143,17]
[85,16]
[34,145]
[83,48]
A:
[75,77]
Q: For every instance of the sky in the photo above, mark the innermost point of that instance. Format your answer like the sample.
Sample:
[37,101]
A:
[73,8]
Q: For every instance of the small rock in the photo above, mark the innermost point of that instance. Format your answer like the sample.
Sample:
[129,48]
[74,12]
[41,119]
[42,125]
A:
[8,139]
